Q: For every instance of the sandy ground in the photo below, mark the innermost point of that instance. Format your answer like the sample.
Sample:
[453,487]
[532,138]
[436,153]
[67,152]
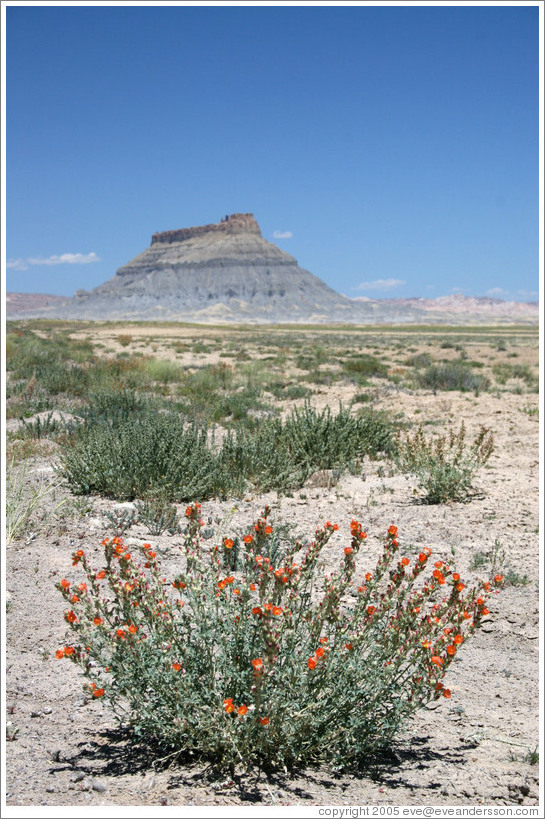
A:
[474,749]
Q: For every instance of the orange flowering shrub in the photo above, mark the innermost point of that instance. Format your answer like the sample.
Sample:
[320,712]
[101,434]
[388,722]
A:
[261,660]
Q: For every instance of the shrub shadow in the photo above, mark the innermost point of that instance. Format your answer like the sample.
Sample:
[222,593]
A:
[115,753]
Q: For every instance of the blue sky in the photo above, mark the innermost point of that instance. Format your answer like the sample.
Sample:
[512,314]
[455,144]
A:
[392,150]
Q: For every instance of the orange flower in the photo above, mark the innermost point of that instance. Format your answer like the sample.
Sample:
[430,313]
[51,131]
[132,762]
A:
[236,591]
[459,639]
[98,692]
[258,664]
[311,663]
[438,686]
[228,543]
[426,644]
[129,587]
[455,576]
[498,578]
[82,587]
[70,616]
[242,709]
[120,633]
[323,640]
[98,621]
[133,629]
[392,531]
[437,660]
[176,666]
[484,611]
[348,550]
[65,584]
[68,650]
[264,720]
[460,586]
[253,587]
[248,538]
[320,652]
[451,650]
[228,705]
[466,615]
[101,575]
[446,693]
[268,530]
[422,557]
[59,654]
[277,610]
[256,610]
[368,576]
[74,599]
[348,646]
[480,601]
[405,561]
[371,610]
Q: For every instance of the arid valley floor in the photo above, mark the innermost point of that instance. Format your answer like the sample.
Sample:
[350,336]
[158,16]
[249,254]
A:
[477,748]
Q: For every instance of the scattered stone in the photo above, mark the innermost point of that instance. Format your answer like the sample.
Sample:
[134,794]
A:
[98,786]
[77,776]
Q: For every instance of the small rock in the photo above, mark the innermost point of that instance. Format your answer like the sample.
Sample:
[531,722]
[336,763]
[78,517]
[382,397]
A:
[77,777]
[35,714]
[98,786]
[50,789]
[47,711]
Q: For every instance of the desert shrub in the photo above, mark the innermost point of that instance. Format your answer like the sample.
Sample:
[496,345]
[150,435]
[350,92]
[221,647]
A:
[261,665]
[282,453]
[135,455]
[504,372]
[110,407]
[362,367]
[454,375]
[121,520]
[444,466]
[158,515]
[420,360]
[141,455]
[46,427]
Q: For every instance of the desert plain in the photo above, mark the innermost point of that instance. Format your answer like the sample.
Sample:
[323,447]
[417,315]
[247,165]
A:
[480,747]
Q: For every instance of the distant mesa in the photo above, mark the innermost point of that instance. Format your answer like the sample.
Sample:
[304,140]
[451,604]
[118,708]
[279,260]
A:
[227,272]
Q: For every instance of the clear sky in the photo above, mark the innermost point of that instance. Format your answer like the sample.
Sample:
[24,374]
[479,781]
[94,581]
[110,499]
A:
[392,150]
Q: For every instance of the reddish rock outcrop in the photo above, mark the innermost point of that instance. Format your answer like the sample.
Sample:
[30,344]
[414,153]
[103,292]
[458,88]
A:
[234,223]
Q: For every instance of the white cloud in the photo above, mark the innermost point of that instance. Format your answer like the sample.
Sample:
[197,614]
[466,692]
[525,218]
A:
[528,294]
[381,284]
[497,292]
[17,264]
[63,258]
[282,234]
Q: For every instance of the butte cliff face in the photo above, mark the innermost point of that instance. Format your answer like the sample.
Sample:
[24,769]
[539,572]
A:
[219,272]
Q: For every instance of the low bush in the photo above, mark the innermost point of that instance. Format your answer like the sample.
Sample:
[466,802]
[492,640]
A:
[362,367]
[444,466]
[454,375]
[145,453]
[142,455]
[263,665]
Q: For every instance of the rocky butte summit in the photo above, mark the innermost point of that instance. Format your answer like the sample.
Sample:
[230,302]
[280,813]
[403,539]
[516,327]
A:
[219,272]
